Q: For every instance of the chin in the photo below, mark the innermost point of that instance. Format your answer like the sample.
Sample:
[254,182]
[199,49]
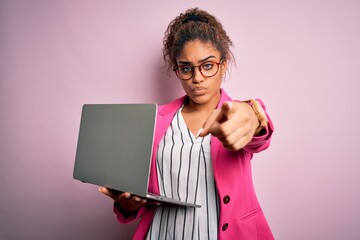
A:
[200,99]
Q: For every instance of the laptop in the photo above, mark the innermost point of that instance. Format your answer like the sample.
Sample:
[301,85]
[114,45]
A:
[114,148]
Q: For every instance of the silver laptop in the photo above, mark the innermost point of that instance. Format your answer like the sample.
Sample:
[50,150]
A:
[114,148]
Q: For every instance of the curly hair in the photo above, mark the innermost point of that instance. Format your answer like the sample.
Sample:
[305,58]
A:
[194,24]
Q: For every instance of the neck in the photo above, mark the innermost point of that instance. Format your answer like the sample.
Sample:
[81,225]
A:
[191,106]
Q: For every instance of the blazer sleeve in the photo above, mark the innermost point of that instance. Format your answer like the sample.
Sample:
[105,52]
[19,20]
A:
[262,141]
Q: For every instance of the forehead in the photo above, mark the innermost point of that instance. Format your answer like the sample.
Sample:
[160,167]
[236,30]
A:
[196,50]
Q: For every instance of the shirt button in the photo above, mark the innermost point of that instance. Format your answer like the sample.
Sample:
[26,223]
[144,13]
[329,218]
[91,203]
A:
[225,226]
[226,199]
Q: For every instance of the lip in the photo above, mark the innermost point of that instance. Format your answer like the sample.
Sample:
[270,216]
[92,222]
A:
[199,90]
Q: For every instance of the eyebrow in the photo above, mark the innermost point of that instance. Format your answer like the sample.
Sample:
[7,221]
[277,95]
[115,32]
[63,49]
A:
[200,61]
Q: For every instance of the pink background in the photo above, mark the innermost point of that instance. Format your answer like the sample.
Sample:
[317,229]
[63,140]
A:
[301,57]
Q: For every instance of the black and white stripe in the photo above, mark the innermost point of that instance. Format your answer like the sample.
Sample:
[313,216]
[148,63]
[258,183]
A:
[185,172]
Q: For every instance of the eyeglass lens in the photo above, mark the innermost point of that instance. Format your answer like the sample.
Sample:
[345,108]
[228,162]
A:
[207,69]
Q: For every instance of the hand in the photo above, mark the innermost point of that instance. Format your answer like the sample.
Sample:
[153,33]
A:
[234,124]
[128,203]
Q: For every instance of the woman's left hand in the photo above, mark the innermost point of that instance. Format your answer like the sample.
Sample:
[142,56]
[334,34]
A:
[234,124]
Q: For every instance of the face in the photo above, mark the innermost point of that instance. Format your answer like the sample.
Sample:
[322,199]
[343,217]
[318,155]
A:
[202,90]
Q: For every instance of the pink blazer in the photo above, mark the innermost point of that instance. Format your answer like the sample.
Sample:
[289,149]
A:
[241,216]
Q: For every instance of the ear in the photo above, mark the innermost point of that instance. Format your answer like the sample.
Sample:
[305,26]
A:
[223,66]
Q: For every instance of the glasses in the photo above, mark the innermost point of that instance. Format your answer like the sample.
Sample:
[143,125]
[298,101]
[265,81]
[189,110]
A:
[207,69]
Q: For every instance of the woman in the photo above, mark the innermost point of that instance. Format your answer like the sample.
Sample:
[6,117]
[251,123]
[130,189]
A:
[204,142]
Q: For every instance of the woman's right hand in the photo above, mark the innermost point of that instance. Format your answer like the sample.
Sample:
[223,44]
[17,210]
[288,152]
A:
[127,202]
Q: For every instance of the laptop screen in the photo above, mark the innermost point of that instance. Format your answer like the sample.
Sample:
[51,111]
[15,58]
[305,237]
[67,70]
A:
[115,146]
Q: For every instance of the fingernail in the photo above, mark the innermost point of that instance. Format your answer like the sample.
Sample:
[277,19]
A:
[100,189]
[127,195]
[198,133]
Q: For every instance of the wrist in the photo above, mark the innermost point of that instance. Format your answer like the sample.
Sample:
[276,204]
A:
[259,113]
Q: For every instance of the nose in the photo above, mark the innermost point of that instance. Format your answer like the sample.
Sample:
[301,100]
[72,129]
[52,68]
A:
[198,77]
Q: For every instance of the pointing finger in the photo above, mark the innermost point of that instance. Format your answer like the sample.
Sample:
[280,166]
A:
[217,117]
[210,123]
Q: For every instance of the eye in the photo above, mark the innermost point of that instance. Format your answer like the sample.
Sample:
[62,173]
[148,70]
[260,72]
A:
[186,68]
[207,65]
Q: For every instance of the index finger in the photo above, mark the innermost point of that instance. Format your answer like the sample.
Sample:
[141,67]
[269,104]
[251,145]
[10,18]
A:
[113,193]
[217,117]
[210,124]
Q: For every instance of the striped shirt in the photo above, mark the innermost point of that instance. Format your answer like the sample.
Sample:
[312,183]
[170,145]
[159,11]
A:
[185,173]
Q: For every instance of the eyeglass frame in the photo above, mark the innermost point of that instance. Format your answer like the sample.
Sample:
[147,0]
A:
[176,69]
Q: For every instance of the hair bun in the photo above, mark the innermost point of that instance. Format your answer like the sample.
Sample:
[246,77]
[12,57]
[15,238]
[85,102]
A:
[194,18]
